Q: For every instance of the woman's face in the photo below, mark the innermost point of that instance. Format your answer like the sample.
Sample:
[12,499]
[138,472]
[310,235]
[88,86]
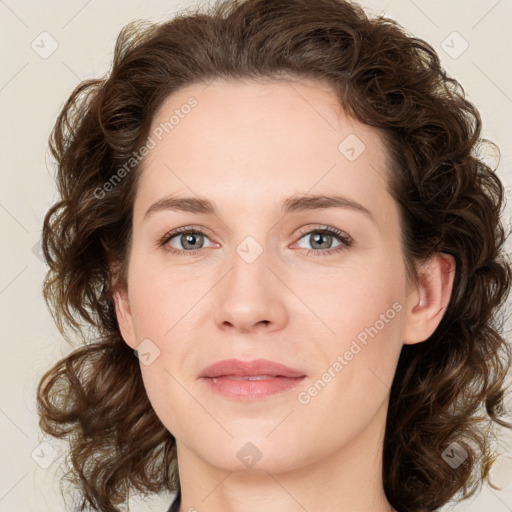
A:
[263,281]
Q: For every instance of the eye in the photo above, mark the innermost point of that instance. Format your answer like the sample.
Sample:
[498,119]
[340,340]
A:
[184,240]
[190,240]
[321,240]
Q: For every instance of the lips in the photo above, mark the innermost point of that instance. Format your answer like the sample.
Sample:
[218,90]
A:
[250,380]
[257,369]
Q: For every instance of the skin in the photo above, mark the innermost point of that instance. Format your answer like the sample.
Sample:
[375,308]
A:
[247,146]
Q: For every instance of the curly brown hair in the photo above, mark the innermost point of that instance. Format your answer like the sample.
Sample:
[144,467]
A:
[451,388]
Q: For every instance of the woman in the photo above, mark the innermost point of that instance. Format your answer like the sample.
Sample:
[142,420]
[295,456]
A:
[277,206]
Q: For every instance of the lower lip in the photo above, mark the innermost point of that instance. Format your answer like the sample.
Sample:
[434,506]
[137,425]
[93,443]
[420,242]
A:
[251,389]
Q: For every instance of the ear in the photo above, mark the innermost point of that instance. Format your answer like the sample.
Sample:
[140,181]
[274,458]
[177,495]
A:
[122,308]
[427,302]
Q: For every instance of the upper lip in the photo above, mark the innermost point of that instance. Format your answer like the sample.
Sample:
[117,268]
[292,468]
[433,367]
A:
[255,367]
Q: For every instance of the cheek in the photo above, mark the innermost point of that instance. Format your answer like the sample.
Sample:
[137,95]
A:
[160,299]
[355,381]
[347,301]
[362,313]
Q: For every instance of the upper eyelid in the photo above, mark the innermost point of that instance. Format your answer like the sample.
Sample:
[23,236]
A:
[321,227]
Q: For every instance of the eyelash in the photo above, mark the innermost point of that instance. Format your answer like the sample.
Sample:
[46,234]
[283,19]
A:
[345,240]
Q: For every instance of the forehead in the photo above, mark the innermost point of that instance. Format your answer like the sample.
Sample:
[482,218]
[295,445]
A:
[306,99]
[260,137]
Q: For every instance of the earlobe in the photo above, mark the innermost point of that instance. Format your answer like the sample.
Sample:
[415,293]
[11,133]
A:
[427,303]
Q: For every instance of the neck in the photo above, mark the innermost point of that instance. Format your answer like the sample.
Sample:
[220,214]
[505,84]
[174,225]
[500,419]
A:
[349,478]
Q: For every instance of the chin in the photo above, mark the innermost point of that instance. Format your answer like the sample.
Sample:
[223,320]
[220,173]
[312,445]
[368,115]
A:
[252,453]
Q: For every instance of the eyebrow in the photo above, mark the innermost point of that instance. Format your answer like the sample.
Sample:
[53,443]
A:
[298,203]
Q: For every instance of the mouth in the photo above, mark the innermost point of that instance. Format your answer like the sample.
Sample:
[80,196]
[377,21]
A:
[250,377]
[256,368]
[250,380]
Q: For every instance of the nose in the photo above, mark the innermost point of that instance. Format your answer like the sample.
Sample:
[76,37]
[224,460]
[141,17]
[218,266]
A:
[251,296]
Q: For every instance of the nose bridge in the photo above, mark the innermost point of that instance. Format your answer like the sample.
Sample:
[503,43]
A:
[249,275]
[250,294]
[251,241]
